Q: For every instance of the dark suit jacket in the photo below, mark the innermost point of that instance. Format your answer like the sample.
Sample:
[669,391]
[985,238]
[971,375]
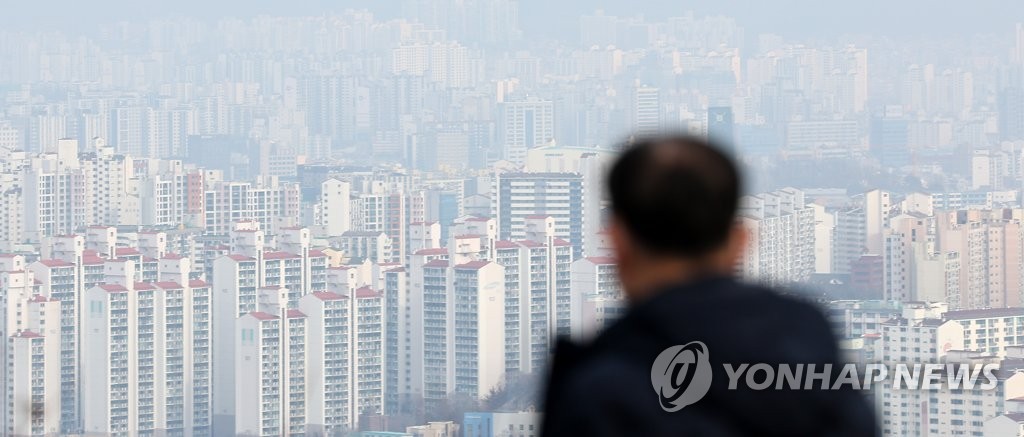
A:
[605,388]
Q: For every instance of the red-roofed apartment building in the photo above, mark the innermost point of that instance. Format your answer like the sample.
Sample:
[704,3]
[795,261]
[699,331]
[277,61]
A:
[146,355]
[237,280]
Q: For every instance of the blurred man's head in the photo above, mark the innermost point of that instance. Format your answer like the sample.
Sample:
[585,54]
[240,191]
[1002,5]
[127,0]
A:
[674,203]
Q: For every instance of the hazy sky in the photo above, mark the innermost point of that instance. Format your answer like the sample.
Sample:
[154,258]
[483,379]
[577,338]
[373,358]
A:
[558,18]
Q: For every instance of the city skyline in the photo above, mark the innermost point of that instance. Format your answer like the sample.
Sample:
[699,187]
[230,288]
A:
[829,19]
[320,219]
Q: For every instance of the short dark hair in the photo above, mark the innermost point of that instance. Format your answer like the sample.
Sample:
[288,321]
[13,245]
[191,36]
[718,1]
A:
[676,195]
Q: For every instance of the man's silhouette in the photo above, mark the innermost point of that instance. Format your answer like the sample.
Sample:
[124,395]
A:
[676,242]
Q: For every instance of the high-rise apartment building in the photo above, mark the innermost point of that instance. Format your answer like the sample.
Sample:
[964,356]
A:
[33,383]
[781,233]
[597,298]
[537,294]
[1010,102]
[271,385]
[329,102]
[461,345]
[523,125]
[988,245]
[145,355]
[330,395]
[647,111]
[446,63]
[268,201]
[239,279]
[31,333]
[335,213]
[519,197]
[921,335]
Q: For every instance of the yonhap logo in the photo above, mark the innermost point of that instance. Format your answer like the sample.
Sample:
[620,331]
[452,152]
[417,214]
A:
[681,375]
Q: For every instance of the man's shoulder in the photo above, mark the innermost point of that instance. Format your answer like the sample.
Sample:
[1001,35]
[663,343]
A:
[732,318]
[610,393]
[786,303]
[727,301]
[736,323]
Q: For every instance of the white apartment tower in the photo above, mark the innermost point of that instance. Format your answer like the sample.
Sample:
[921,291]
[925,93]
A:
[335,216]
[33,384]
[780,246]
[57,194]
[145,354]
[646,111]
[267,201]
[537,294]
[518,197]
[477,335]
[523,125]
[597,299]
[60,280]
[423,235]
[238,279]
[110,190]
[270,384]
[329,401]
[30,331]
[457,326]
[332,351]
